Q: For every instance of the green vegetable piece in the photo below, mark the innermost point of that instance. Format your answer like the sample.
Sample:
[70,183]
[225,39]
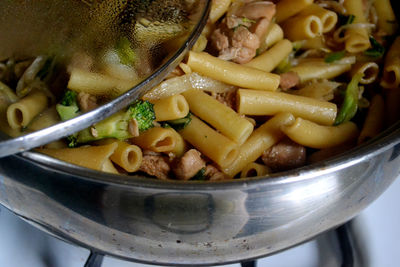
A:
[346,20]
[376,51]
[332,57]
[125,52]
[178,124]
[117,125]
[350,104]
[283,66]
[68,107]
[200,175]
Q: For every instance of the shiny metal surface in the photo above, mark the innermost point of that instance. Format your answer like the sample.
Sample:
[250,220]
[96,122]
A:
[196,223]
[55,132]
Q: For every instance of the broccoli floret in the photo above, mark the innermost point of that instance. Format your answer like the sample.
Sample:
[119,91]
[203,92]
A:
[117,125]
[68,107]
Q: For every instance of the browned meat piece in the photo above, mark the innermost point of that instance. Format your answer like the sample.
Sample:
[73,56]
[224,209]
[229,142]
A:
[284,156]
[188,165]
[213,174]
[237,38]
[86,101]
[228,99]
[289,80]
[155,165]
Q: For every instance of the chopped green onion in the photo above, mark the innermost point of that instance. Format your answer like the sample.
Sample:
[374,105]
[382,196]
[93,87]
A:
[376,51]
[346,20]
[331,57]
[350,104]
[200,175]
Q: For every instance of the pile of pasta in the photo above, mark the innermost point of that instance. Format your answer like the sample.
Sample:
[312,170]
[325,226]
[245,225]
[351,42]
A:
[269,86]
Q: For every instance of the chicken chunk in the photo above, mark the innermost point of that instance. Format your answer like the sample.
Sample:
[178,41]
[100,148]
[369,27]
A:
[289,80]
[284,156]
[188,165]
[156,165]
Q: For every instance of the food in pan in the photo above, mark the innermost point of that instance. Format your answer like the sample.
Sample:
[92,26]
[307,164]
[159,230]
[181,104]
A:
[269,86]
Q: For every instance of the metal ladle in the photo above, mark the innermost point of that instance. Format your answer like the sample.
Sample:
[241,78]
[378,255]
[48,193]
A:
[57,131]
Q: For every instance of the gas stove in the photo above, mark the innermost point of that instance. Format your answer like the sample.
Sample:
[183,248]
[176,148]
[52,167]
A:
[371,239]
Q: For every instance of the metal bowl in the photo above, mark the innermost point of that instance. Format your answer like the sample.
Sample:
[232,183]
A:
[153,221]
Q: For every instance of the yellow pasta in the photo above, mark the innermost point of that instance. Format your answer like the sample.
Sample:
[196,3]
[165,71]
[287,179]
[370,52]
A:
[127,156]
[392,107]
[97,84]
[261,139]
[45,119]
[328,18]
[171,108]
[319,69]
[287,8]
[310,134]
[370,71]
[218,9]
[274,35]
[252,102]
[356,39]
[218,115]
[214,145]
[271,58]
[21,113]
[302,27]
[160,139]
[92,157]
[373,124]
[391,70]
[232,73]
[386,17]
[254,169]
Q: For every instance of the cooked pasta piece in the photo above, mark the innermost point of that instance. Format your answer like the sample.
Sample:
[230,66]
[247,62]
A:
[44,119]
[218,115]
[311,134]
[253,102]
[386,17]
[302,27]
[92,157]
[274,35]
[171,108]
[261,139]
[254,169]
[392,106]
[271,58]
[391,69]
[218,9]
[21,113]
[328,18]
[127,156]
[374,121]
[370,71]
[160,139]
[288,8]
[214,145]
[356,38]
[232,73]
[319,69]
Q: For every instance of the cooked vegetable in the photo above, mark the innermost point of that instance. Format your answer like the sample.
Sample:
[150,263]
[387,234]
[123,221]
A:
[178,124]
[376,51]
[332,57]
[68,107]
[350,103]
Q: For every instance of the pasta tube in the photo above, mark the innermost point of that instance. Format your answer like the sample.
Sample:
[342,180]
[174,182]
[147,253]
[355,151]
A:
[261,139]
[302,27]
[21,113]
[218,8]
[391,70]
[328,18]
[271,58]
[318,69]
[274,35]
[287,8]
[386,17]
[218,115]
[127,156]
[92,157]
[373,124]
[171,108]
[356,39]
[254,169]
[160,139]
[214,145]
[232,73]
[369,71]
[252,102]
[312,135]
